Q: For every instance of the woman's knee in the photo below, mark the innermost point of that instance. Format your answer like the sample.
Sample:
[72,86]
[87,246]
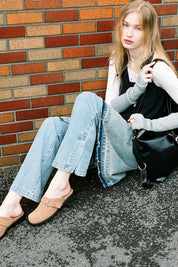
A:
[87,99]
[50,124]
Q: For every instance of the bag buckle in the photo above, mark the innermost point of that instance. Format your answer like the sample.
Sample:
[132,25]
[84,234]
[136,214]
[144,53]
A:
[174,136]
[142,169]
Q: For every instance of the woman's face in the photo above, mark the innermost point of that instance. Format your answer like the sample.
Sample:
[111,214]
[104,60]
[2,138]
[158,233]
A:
[132,32]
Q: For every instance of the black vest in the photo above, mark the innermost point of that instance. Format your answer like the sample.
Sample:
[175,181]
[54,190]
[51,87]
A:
[152,104]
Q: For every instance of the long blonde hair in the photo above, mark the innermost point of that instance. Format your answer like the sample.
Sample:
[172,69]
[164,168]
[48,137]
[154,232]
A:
[152,41]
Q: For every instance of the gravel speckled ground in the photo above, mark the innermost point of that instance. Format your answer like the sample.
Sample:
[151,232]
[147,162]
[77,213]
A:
[124,225]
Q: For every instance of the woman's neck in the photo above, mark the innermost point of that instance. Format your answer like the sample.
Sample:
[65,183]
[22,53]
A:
[133,60]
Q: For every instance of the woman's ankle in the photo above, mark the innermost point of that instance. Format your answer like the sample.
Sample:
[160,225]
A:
[59,185]
[57,191]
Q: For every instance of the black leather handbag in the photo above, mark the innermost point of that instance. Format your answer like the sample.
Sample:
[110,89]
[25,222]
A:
[156,154]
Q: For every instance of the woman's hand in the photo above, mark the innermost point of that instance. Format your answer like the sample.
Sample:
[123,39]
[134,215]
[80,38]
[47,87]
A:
[138,122]
[146,72]
[131,119]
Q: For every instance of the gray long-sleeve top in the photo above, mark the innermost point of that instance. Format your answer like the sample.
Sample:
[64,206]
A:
[163,76]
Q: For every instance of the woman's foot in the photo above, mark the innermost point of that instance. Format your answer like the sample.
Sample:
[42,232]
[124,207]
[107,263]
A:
[11,212]
[48,207]
[58,195]
[11,207]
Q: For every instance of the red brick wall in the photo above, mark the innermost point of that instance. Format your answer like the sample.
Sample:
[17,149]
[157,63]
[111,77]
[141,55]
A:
[50,51]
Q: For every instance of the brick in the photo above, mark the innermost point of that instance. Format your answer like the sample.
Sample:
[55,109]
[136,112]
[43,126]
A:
[4,70]
[46,78]
[9,161]
[28,68]
[95,62]
[24,18]
[167,33]
[96,13]
[7,5]
[12,32]
[170,21]
[16,127]
[32,114]
[42,30]
[61,111]
[104,50]
[5,94]
[8,139]
[103,73]
[26,43]
[3,45]
[42,4]
[63,88]
[6,117]
[15,149]
[2,19]
[38,123]
[70,99]
[105,26]
[28,136]
[94,85]
[166,9]
[14,105]
[112,2]
[22,158]
[79,52]
[70,40]
[101,38]
[155,1]
[63,65]
[78,3]
[171,55]
[13,57]
[30,91]
[80,75]
[62,15]
[170,44]
[117,11]
[79,27]
[176,65]
[102,94]
[13,81]
[170,1]
[47,101]
[44,54]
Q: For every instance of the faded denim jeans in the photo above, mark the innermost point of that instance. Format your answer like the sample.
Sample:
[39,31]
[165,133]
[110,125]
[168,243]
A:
[61,145]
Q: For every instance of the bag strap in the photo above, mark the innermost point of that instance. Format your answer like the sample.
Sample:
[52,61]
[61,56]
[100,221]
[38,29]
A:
[141,165]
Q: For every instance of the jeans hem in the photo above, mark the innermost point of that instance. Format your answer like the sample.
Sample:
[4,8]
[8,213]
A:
[68,168]
[26,194]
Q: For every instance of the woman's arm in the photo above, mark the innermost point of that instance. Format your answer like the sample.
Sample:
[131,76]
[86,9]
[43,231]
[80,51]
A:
[113,84]
[120,103]
[164,77]
[157,125]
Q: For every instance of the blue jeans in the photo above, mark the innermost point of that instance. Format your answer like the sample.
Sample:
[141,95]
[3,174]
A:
[60,145]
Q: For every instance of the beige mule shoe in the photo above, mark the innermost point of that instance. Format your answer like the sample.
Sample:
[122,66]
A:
[48,207]
[7,223]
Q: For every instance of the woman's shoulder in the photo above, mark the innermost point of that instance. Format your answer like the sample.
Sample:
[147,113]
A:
[162,69]
[163,74]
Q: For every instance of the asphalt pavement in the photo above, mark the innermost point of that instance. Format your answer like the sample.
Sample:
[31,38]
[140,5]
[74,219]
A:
[124,225]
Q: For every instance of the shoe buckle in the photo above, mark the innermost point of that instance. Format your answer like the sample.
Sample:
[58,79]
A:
[48,203]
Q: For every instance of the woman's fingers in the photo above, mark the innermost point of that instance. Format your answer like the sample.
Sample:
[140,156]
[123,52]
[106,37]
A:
[131,119]
[147,72]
